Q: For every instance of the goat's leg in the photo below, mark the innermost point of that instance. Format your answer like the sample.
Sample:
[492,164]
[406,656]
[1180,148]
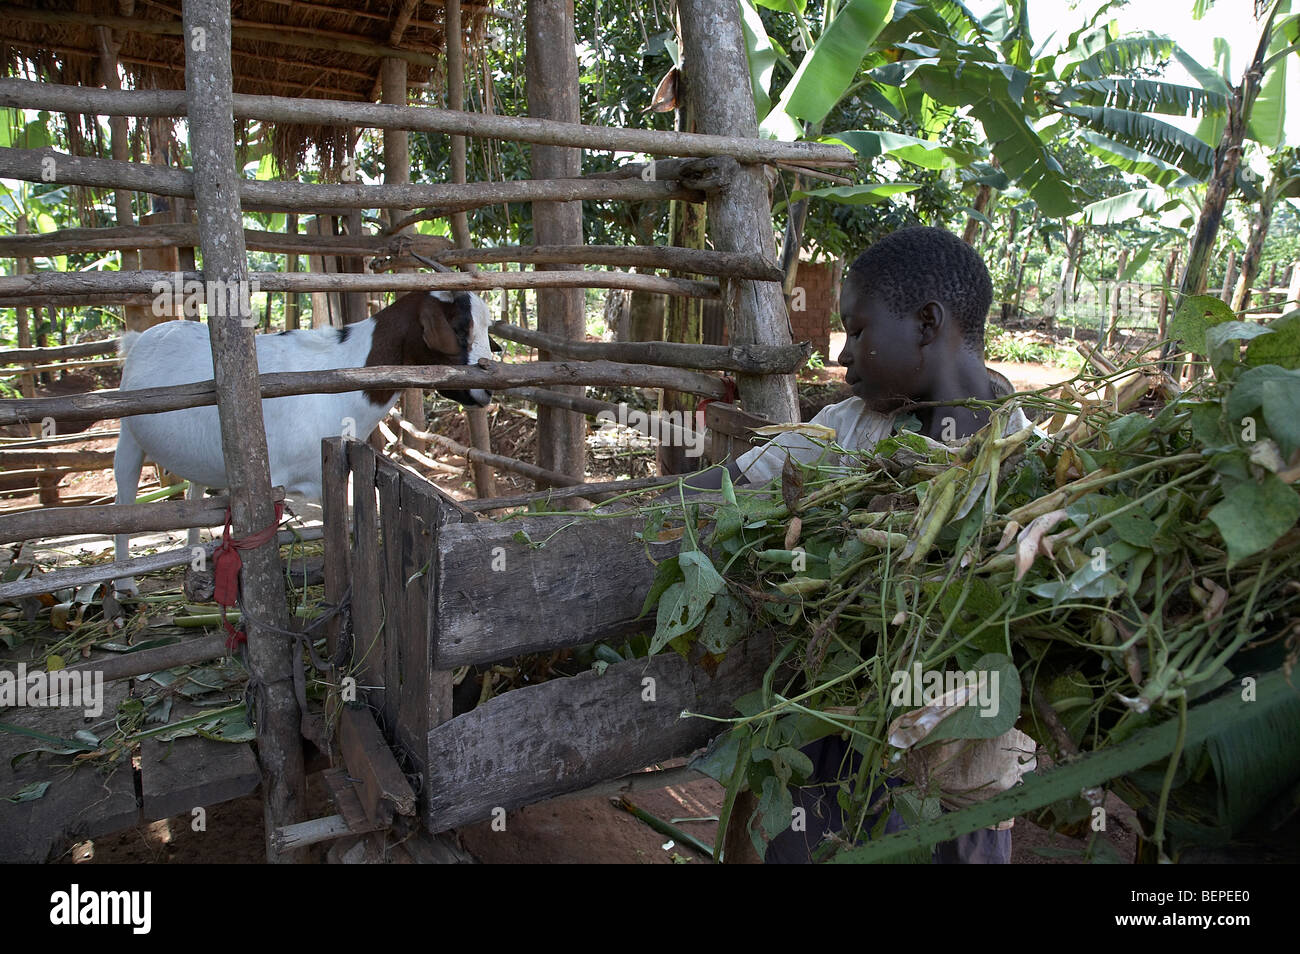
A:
[192,493]
[128,461]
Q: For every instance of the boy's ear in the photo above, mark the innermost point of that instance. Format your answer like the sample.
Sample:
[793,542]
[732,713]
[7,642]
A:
[932,317]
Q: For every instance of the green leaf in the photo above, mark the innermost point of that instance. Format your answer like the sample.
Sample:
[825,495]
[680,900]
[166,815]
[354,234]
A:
[1135,161]
[1127,205]
[762,58]
[667,573]
[1282,347]
[869,193]
[1277,392]
[684,604]
[1197,315]
[1147,96]
[1121,56]
[775,806]
[28,793]
[826,72]
[995,97]
[725,624]
[868,144]
[1153,136]
[998,705]
[1253,515]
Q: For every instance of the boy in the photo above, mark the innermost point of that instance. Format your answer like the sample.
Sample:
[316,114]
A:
[913,307]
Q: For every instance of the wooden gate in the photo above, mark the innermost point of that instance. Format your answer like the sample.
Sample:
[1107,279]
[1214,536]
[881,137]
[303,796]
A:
[435,588]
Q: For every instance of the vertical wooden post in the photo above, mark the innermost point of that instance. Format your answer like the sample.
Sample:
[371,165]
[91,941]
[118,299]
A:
[137,317]
[355,307]
[715,77]
[243,436]
[485,484]
[27,380]
[291,305]
[397,169]
[551,67]
[1293,287]
[326,308]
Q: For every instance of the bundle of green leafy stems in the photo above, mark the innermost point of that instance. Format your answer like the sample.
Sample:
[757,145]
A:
[1174,548]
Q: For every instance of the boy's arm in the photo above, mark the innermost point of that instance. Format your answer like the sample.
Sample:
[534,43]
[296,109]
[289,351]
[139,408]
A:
[703,481]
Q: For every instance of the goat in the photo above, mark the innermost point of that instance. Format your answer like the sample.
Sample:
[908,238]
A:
[421,328]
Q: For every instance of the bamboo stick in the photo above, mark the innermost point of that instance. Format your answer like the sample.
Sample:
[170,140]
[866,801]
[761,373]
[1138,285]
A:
[597,491]
[76,99]
[102,405]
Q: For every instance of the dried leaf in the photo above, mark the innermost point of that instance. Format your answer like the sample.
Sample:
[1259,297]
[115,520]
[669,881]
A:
[1031,540]
[915,726]
[665,97]
[791,484]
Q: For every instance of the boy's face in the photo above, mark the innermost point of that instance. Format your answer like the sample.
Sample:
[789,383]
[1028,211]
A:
[883,354]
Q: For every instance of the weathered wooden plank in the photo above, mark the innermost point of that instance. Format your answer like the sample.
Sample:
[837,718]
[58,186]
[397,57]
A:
[729,430]
[177,777]
[568,734]
[334,505]
[393,574]
[498,597]
[79,803]
[367,579]
[420,706]
[382,787]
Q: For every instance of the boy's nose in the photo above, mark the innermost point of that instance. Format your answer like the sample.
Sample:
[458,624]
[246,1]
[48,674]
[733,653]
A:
[845,358]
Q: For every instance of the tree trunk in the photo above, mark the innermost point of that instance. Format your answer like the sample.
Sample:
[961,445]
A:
[1255,245]
[1226,159]
[1229,277]
[243,437]
[715,80]
[552,82]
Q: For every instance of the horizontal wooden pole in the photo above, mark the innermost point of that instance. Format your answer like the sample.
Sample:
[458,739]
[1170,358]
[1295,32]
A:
[241,30]
[118,518]
[82,350]
[171,235]
[750,359]
[70,301]
[690,260]
[79,99]
[103,405]
[119,569]
[64,366]
[53,285]
[47,165]
[49,457]
[596,491]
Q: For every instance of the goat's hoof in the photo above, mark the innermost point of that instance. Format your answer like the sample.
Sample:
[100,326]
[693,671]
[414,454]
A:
[126,587]
[200,586]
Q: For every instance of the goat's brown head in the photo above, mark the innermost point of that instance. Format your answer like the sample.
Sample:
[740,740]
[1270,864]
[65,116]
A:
[439,327]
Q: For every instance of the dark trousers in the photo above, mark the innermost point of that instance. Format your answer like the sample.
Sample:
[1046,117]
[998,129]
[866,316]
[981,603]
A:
[823,815]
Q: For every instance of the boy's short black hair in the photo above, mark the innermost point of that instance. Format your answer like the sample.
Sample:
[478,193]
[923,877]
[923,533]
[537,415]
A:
[909,267]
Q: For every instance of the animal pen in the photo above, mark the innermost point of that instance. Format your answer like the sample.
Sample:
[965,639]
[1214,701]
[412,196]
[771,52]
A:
[412,589]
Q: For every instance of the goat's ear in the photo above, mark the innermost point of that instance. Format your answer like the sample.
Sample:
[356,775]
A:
[436,326]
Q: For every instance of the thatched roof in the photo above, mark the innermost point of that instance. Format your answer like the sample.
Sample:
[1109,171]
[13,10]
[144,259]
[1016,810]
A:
[331,49]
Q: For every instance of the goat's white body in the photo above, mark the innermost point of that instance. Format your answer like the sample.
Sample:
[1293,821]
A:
[188,442]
